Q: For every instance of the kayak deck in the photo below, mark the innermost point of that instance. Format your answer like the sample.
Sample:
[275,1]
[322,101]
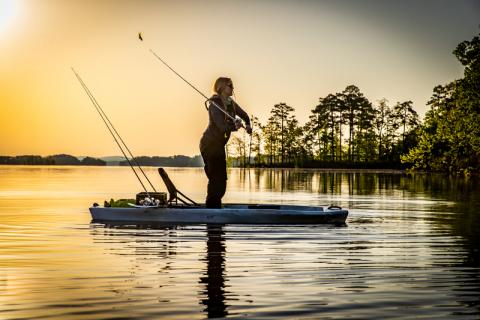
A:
[228,214]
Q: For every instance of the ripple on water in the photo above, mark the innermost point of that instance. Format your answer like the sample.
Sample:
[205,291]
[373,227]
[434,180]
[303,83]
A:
[407,251]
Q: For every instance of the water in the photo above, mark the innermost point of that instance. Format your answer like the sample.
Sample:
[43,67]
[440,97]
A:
[409,250]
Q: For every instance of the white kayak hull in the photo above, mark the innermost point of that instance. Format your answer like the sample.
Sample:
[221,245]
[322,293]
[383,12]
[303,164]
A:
[229,214]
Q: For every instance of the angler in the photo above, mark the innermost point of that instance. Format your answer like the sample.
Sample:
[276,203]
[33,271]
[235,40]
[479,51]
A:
[215,137]
[225,117]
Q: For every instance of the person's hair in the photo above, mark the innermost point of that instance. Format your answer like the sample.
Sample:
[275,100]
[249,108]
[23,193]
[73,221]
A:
[220,84]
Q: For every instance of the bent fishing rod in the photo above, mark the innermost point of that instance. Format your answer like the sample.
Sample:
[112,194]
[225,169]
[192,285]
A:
[140,37]
[115,134]
[186,81]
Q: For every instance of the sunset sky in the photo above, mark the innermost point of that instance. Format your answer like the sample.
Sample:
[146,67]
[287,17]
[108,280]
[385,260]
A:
[275,51]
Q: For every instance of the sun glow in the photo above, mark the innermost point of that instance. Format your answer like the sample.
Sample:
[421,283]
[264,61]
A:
[8,10]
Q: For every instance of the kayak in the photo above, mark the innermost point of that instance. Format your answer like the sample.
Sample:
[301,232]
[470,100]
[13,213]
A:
[180,209]
[228,214]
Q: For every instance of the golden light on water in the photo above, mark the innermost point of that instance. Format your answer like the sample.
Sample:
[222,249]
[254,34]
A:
[407,235]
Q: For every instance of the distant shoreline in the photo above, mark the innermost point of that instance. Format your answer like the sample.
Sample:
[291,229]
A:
[394,171]
[66,159]
[179,161]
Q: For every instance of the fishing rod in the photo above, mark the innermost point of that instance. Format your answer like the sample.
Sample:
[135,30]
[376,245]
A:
[235,120]
[186,81]
[251,134]
[250,147]
[110,126]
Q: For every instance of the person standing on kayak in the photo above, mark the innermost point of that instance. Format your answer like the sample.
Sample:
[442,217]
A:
[215,137]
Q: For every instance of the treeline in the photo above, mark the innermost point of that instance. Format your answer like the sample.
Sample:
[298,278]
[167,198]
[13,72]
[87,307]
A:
[345,129]
[59,159]
[173,161]
[65,159]
[449,139]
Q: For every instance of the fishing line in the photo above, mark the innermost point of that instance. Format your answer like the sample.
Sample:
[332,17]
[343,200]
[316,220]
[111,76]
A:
[186,81]
[191,85]
[109,124]
[140,37]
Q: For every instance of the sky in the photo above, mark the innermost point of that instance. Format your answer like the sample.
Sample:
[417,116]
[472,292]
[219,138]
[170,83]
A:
[275,51]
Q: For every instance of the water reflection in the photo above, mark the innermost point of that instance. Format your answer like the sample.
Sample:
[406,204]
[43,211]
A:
[213,280]
[159,243]
[411,246]
[319,181]
[156,240]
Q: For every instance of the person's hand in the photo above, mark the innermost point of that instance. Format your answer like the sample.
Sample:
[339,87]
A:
[249,129]
[238,124]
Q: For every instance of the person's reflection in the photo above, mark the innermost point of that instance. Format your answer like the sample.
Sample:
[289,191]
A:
[214,291]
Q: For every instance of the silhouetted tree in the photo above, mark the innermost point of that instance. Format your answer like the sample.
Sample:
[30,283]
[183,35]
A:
[449,139]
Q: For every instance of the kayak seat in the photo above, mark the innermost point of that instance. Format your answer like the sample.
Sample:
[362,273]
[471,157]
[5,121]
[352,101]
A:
[174,194]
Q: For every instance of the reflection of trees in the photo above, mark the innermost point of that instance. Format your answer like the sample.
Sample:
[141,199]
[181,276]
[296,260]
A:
[464,193]
[214,278]
[335,182]
[462,223]
[455,216]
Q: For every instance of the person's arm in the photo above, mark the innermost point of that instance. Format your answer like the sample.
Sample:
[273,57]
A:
[218,118]
[243,115]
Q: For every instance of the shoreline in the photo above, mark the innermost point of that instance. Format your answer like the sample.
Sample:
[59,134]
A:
[369,170]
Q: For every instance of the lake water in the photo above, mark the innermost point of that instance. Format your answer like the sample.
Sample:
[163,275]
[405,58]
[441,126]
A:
[410,249]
